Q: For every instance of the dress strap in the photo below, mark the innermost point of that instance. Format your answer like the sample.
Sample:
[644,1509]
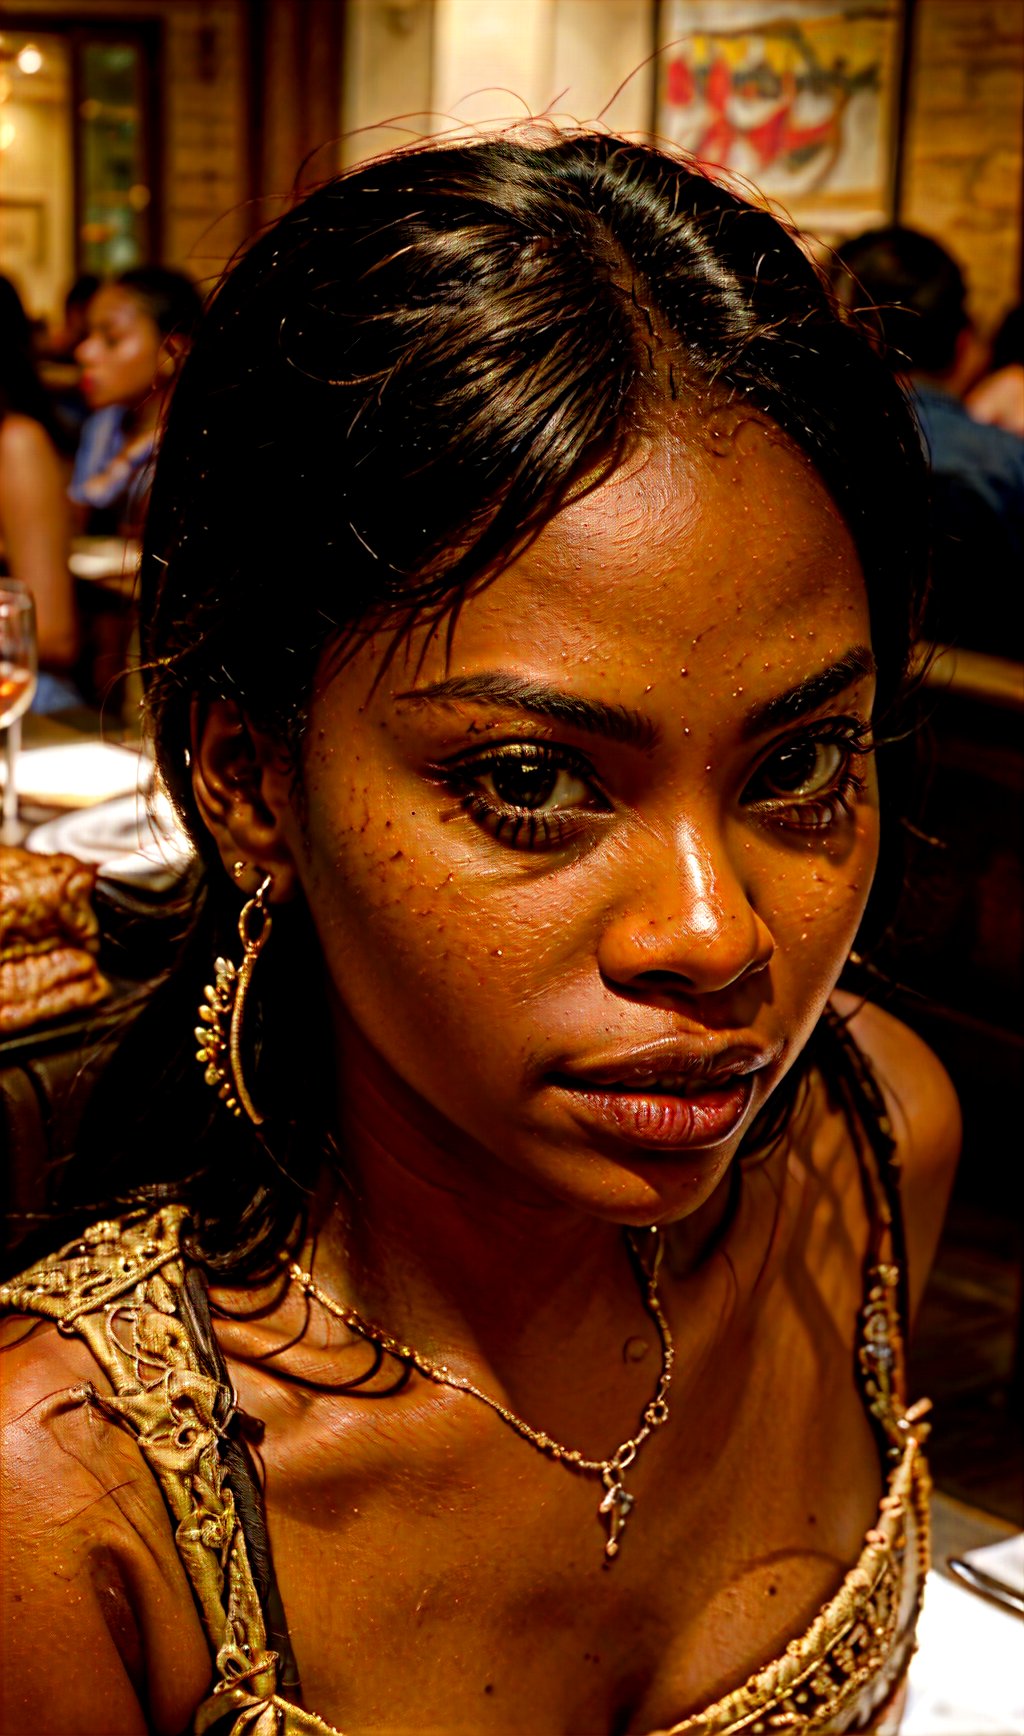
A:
[884,1313]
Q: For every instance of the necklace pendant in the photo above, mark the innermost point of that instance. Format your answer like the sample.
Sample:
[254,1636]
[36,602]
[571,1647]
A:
[615,1509]
[617,1503]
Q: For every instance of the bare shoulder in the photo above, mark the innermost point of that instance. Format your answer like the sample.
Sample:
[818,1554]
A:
[23,438]
[29,464]
[87,1552]
[925,1116]
[919,1093]
[59,1455]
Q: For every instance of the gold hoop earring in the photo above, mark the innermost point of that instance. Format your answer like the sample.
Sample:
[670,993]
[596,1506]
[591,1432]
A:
[222,1010]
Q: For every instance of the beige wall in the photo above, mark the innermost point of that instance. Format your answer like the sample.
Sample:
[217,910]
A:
[36,177]
[600,45]
[425,66]
[486,71]
[204,170]
[387,74]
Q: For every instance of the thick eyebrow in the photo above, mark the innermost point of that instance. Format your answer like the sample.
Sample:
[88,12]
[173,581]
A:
[810,694]
[619,722]
[512,693]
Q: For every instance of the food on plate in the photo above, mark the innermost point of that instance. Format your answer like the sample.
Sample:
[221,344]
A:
[49,935]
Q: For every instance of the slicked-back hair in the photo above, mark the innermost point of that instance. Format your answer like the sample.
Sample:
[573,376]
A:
[397,383]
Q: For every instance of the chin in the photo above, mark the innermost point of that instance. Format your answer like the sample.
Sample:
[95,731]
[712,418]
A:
[643,1188]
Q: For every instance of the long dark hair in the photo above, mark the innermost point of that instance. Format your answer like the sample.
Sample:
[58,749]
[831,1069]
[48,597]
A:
[391,392]
[21,390]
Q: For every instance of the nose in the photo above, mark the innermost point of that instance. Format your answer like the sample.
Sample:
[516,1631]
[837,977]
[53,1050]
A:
[686,923]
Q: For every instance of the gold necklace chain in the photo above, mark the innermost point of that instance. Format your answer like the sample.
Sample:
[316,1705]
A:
[617,1502]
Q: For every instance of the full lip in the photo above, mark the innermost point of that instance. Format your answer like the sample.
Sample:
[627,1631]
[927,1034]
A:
[666,1097]
[666,1066]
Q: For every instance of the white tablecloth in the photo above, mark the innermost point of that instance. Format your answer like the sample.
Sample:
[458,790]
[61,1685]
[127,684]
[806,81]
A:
[968,1676]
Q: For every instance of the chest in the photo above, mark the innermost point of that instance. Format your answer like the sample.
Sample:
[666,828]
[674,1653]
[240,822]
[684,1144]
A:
[437,1568]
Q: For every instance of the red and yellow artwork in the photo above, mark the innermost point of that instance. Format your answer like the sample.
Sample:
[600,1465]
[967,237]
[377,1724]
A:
[797,96]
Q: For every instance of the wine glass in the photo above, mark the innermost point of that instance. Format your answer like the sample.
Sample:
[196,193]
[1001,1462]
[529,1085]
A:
[17,688]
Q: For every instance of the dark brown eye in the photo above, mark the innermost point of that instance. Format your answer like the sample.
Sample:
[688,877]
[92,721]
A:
[532,778]
[804,769]
[523,783]
[529,795]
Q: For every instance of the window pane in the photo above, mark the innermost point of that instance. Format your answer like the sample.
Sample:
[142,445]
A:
[115,189]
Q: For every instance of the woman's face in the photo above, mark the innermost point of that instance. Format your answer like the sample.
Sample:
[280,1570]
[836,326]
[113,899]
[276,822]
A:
[123,352]
[584,882]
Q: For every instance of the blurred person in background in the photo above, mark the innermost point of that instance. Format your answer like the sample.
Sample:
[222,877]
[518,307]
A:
[139,328]
[62,343]
[998,396]
[34,518]
[912,292]
[58,369]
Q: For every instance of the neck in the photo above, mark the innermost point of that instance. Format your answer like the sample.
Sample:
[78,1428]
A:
[431,1236]
[414,1238]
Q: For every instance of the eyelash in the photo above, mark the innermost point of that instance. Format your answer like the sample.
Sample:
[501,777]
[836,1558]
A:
[821,810]
[527,829]
[523,828]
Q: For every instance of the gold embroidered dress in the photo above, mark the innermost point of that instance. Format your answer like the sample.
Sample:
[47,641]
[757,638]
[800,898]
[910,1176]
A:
[127,1290]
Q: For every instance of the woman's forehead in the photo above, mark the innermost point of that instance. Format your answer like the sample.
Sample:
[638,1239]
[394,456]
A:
[114,305]
[694,575]
[684,543]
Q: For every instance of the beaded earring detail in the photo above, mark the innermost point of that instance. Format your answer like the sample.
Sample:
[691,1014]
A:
[222,1010]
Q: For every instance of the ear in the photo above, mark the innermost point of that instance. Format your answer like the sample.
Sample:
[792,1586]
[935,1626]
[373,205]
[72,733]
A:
[242,782]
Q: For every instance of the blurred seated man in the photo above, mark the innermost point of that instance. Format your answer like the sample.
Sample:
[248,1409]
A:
[916,297]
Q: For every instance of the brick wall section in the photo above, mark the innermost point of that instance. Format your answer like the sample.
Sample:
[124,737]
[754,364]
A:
[204,170]
[204,167]
[964,143]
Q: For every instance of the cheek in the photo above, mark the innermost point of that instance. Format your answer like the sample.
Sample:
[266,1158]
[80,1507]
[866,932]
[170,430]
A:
[815,897]
[134,364]
[413,923]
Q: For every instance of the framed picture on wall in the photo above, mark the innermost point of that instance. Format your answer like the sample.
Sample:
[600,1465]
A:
[799,97]
[22,234]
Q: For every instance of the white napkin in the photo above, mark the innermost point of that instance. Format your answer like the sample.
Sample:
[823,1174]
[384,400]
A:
[77,774]
[103,557]
[968,1676]
[1002,1561]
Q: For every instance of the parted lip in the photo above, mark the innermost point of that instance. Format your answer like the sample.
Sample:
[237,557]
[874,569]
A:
[669,1064]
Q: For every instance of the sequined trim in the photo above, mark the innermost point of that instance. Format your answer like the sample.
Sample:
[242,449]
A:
[854,1648]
